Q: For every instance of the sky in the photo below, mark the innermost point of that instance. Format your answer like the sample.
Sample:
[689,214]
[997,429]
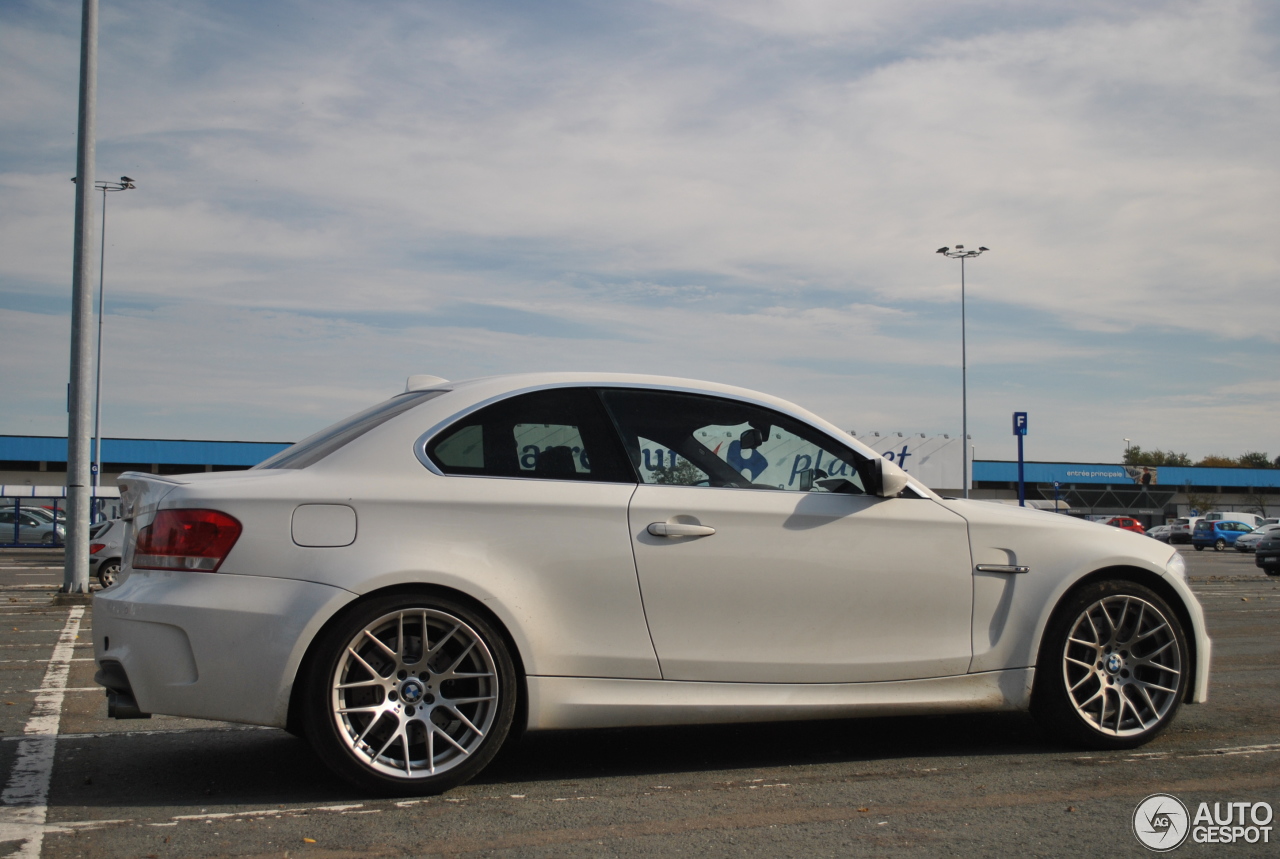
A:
[333,195]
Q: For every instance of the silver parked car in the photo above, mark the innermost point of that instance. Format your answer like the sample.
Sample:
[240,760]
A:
[24,526]
[411,585]
[106,548]
[1249,542]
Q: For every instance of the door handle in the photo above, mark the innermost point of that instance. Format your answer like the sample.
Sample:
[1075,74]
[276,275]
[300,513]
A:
[679,529]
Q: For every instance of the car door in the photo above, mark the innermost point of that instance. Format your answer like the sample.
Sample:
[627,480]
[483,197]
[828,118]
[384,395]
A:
[763,558]
[537,498]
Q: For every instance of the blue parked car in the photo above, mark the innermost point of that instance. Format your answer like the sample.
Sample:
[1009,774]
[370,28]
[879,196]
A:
[1218,534]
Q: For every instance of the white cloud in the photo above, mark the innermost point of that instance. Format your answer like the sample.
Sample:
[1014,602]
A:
[750,191]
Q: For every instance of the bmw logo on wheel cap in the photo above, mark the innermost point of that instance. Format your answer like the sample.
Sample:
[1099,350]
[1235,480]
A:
[411,692]
[1161,822]
[1114,663]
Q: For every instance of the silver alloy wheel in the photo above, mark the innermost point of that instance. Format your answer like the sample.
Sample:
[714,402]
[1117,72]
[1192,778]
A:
[414,693]
[1122,664]
[109,572]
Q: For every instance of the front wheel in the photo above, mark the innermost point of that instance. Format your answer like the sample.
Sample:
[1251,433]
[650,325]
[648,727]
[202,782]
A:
[1219,545]
[409,695]
[1113,667]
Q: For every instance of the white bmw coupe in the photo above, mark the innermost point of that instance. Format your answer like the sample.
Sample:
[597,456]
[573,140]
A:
[468,560]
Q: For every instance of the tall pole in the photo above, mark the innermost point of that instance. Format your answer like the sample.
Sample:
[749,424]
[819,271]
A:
[75,574]
[964,386]
[961,254]
[97,363]
[125,184]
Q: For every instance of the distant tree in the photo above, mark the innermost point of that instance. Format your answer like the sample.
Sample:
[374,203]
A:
[1137,456]
[684,473]
[1215,461]
[1258,500]
[1254,459]
[1201,504]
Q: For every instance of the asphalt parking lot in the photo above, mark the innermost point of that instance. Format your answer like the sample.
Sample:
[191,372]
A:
[79,784]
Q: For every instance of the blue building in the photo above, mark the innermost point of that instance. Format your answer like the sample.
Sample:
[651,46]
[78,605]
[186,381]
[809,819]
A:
[1152,495]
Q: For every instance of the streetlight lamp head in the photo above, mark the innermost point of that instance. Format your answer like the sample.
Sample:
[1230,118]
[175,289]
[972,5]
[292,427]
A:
[980,250]
[938,251]
[959,247]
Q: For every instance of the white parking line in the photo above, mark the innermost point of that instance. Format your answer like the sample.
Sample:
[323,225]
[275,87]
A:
[100,735]
[26,796]
[1225,751]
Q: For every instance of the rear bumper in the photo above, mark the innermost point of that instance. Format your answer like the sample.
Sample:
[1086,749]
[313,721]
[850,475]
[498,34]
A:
[211,645]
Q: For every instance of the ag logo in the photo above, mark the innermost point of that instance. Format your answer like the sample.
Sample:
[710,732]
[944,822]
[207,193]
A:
[1161,822]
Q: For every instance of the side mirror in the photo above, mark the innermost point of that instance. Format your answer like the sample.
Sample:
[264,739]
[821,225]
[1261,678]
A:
[809,477]
[751,439]
[892,479]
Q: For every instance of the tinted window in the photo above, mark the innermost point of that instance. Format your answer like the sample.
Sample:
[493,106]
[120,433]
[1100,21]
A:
[316,447]
[696,440]
[557,434]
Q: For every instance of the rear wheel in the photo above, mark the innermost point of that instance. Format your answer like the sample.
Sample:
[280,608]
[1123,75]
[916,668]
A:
[410,695]
[1113,667]
[1199,548]
[109,572]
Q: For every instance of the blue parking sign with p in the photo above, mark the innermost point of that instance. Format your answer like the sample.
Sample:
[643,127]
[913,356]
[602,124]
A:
[1019,423]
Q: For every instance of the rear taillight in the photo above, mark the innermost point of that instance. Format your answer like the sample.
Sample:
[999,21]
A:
[186,540]
[95,548]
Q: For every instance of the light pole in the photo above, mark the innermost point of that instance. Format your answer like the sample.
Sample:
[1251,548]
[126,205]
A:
[961,254]
[125,184]
[1126,451]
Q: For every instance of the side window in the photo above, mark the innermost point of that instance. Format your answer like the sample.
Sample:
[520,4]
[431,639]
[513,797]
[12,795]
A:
[696,440]
[557,434]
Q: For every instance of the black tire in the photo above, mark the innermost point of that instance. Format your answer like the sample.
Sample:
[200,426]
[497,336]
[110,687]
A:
[1077,700]
[1219,545]
[1199,548]
[408,722]
[109,572]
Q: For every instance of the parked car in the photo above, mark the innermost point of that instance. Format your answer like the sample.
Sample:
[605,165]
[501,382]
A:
[106,548]
[1253,520]
[1126,523]
[412,585]
[1267,554]
[1249,542]
[1219,534]
[1159,532]
[48,514]
[1180,529]
[23,526]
